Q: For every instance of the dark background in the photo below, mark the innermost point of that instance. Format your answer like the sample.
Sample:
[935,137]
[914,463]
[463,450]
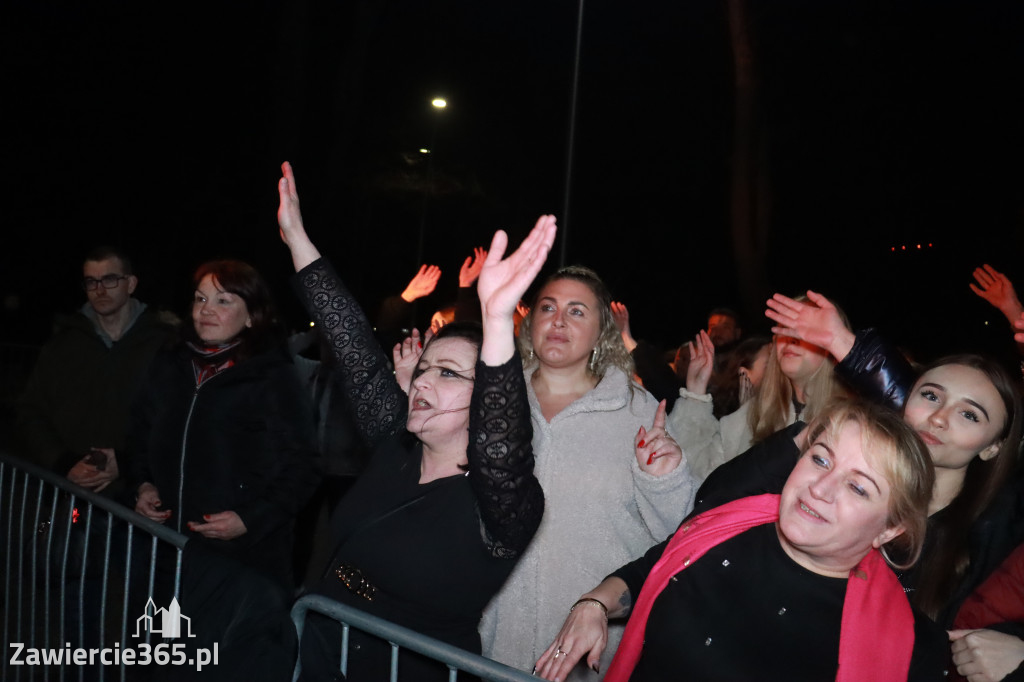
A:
[161,127]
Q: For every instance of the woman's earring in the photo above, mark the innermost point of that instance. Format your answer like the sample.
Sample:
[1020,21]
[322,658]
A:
[531,354]
[746,387]
[593,359]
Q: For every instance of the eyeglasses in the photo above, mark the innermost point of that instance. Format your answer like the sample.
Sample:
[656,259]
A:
[108,282]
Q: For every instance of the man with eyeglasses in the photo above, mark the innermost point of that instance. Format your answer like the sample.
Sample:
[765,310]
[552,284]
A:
[74,413]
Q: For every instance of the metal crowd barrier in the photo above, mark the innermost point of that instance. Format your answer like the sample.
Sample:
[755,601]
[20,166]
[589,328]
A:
[70,571]
[73,567]
[397,636]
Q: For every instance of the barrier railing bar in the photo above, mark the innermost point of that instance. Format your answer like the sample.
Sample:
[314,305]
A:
[35,554]
[103,590]
[47,588]
[152,527]
[401,636]
[152,579]
[81,582]
[345,631]
[64,572]
[21,567]
[127,587]
[17,561]
[7,560]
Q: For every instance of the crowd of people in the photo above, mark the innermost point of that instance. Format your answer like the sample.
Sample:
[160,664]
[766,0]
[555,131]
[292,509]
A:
[527,480]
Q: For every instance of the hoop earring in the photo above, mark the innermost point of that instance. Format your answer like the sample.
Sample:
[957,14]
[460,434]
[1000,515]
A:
[593,359]
[746,388]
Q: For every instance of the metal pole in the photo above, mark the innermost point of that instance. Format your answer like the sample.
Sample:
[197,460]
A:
[563,220]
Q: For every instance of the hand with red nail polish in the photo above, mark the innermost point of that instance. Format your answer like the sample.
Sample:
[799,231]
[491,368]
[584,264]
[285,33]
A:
[407,355]
[656,452]
[221,526]
[147,503]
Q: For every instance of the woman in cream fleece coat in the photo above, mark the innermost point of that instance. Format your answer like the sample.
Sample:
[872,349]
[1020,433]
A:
[614,482]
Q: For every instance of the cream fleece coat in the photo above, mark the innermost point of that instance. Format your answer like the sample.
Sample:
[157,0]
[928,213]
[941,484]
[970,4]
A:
[709,442]
[601,511]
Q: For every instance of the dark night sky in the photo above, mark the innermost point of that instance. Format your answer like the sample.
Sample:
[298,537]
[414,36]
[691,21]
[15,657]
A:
[161,126]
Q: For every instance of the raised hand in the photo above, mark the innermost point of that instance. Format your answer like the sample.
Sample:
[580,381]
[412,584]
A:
[997,289]
[470,269]
[620,313]
[423,283]
[656,452]
[817,323]
[502,283]
[702,363]
[289,220]
[406,356]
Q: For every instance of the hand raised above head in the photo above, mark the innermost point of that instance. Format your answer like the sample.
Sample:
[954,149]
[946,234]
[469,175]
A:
[470,269]
[423,283]
[289,217]
[406,356]
[620,313]
[702,363]
[289,220]
[503,281]
[818,322]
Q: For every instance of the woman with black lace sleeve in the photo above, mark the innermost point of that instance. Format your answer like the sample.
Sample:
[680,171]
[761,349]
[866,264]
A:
[449,501]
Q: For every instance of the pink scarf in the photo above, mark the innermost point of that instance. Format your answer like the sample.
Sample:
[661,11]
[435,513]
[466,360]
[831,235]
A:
[876,638]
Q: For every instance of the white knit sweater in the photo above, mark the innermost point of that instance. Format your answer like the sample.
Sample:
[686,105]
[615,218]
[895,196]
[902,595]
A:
[601,511]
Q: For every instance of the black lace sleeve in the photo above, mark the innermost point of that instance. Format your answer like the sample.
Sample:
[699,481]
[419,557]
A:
[375,400]
[501,459]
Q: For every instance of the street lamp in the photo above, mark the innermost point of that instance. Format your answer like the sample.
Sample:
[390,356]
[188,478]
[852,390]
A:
[439,104]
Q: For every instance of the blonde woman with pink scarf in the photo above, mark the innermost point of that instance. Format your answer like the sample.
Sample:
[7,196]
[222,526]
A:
[796,586]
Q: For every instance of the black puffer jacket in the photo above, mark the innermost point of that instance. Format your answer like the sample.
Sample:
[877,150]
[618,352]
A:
[242,442]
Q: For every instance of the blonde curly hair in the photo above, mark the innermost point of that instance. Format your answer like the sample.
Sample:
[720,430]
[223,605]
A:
[610,350]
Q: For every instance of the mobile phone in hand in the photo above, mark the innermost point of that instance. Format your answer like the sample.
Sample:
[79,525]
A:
[97,458]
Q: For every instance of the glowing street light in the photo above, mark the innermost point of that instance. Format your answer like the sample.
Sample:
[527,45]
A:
[439,103]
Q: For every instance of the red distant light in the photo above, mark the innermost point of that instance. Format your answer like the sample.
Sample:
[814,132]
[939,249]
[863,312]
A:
[929,245]
[894,248]
[919,246]
[904,248]
[74,515]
